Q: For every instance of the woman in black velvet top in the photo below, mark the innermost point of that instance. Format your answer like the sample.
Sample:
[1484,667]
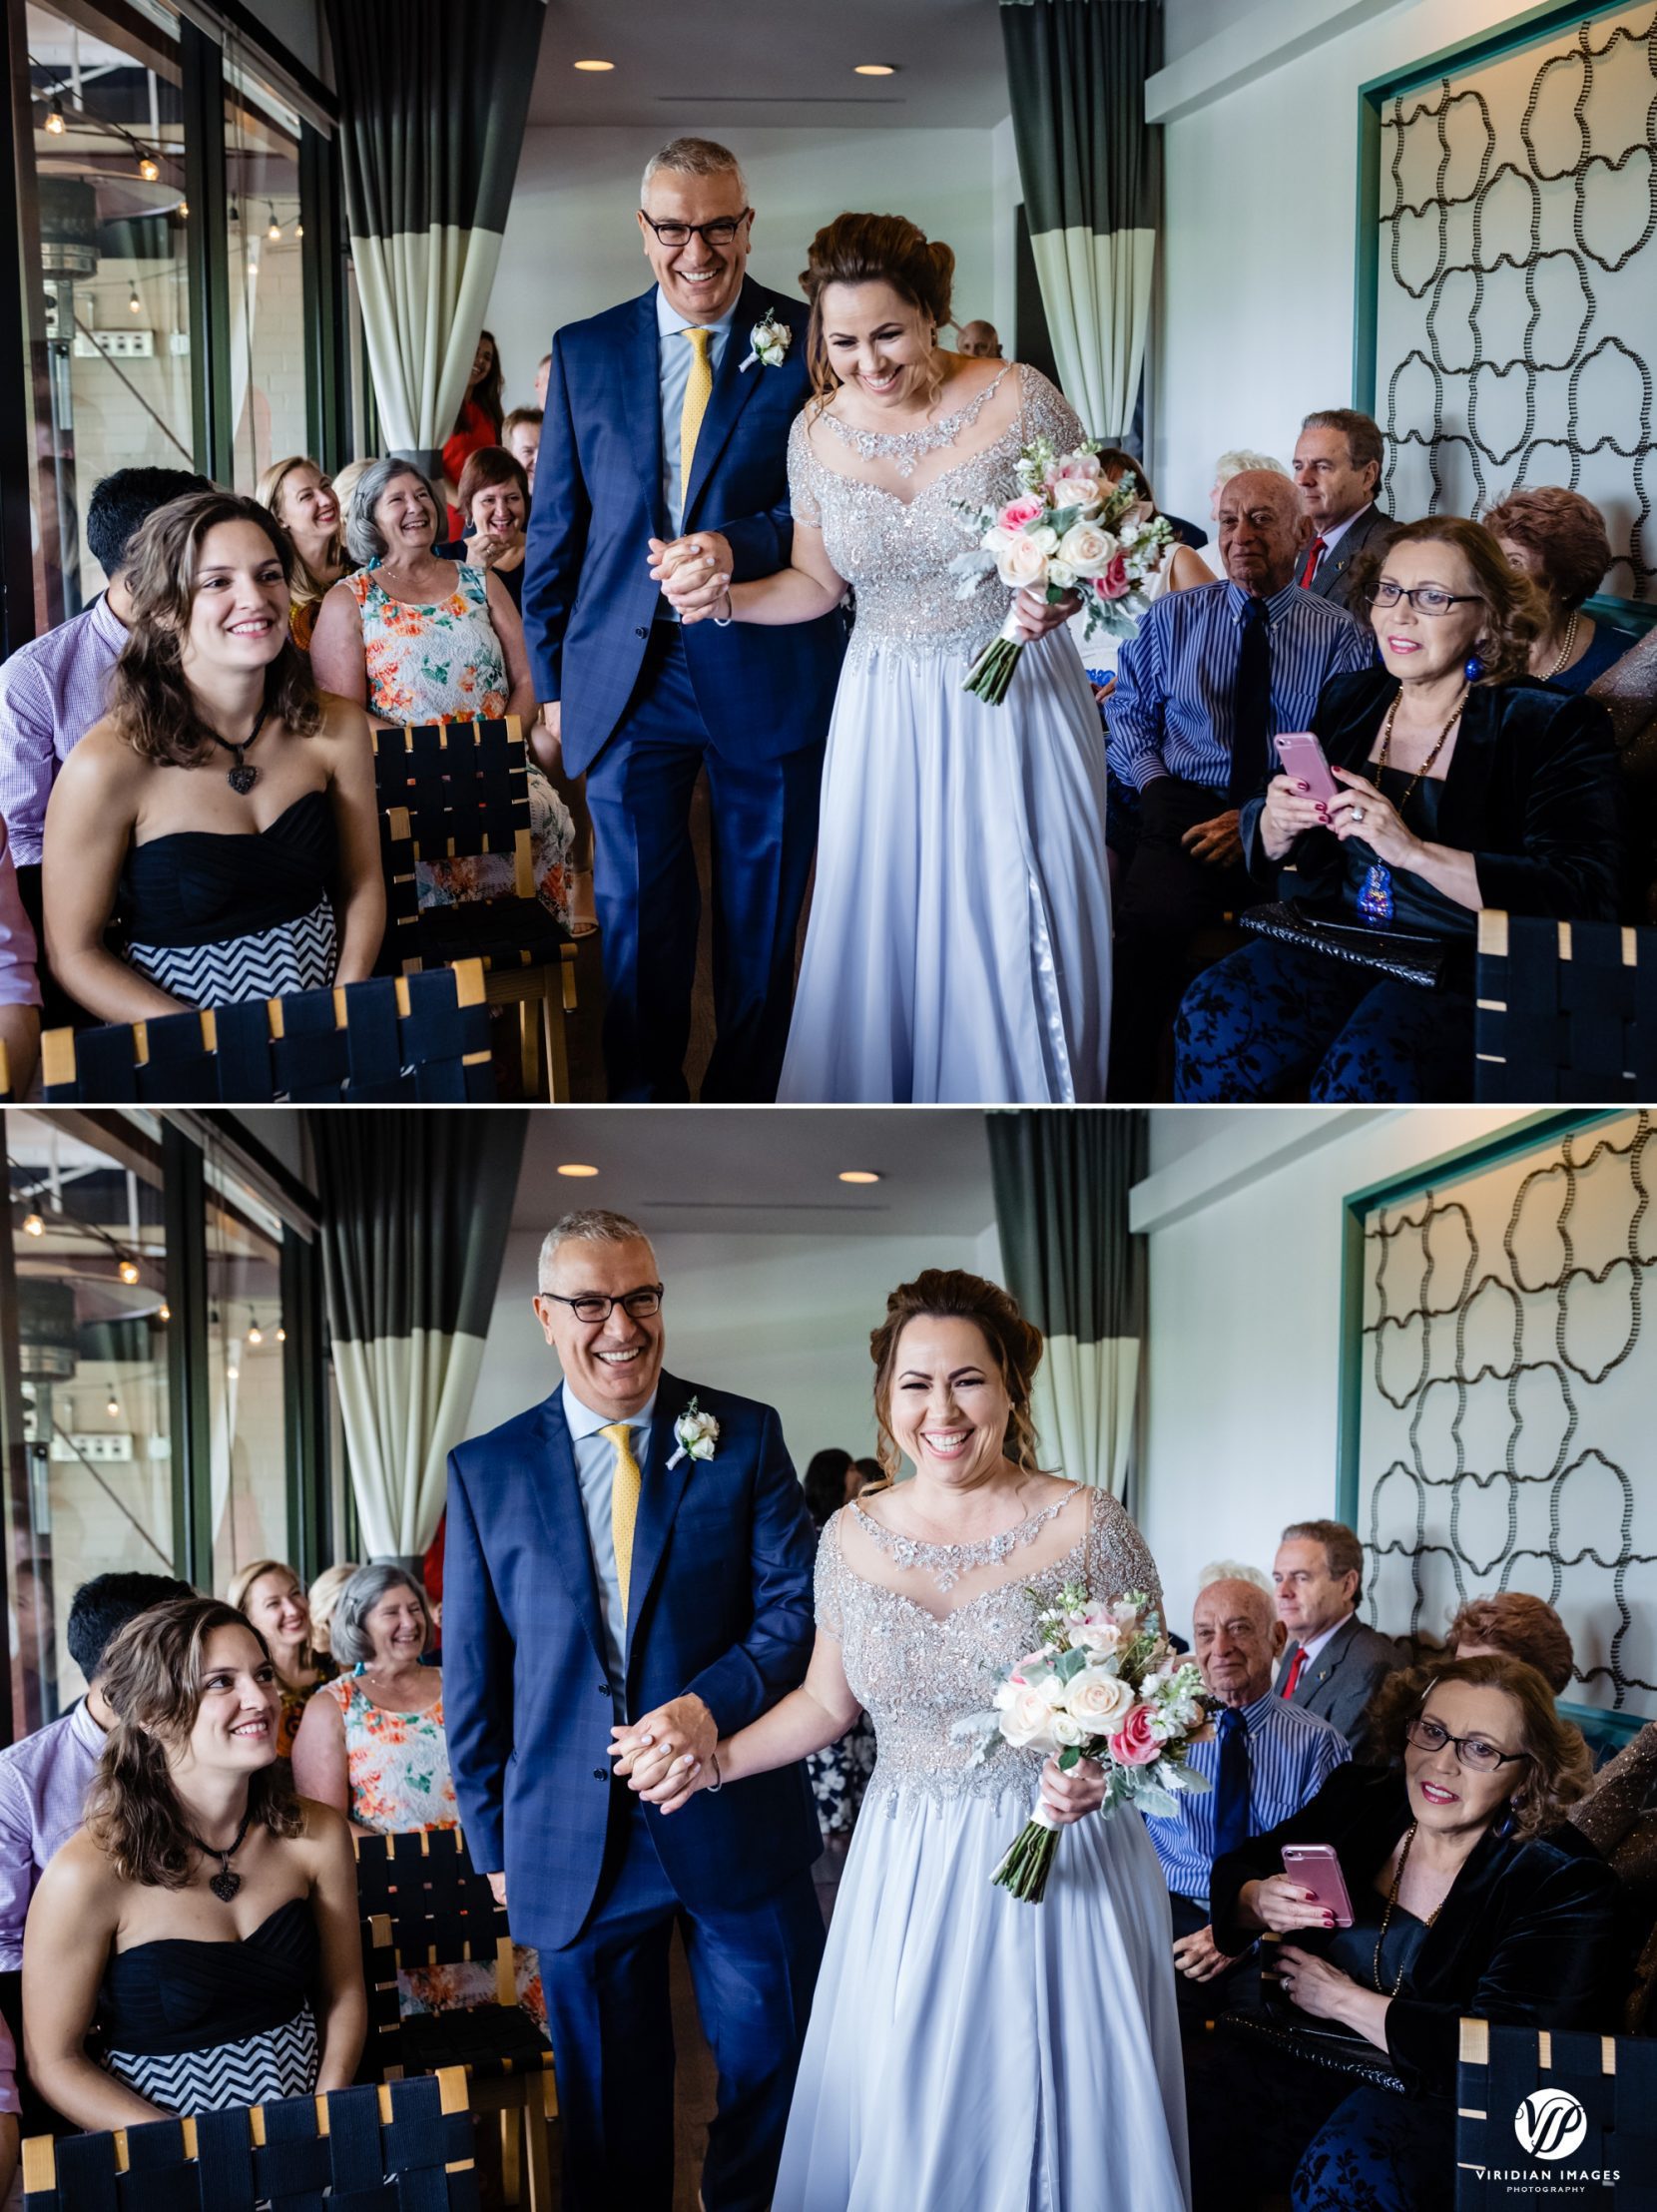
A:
[1457,792]
[1470,1894]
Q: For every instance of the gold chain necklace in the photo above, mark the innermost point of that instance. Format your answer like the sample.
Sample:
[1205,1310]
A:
[1565,649]
[1387,1919]
[1426,768]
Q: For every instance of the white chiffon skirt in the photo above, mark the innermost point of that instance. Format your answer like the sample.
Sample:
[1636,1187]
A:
[967,2051]
[958,951]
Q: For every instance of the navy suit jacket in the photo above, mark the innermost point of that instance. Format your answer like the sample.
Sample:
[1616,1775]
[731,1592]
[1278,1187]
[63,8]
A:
[588,599]
[720,1589]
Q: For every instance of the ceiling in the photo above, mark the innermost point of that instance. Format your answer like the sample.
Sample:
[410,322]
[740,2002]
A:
[763,1171]
[705,65]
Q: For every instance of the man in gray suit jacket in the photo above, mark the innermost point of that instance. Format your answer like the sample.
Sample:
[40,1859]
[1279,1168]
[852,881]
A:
[1338,464]
[1333,1663]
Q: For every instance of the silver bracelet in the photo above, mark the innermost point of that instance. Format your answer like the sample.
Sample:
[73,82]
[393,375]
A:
[724,622]
[718,1783]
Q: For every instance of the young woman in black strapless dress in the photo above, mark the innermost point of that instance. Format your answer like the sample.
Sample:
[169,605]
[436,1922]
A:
[194,1945]
[214,836]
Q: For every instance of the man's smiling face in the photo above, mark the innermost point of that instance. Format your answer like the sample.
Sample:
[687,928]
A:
[611,1365]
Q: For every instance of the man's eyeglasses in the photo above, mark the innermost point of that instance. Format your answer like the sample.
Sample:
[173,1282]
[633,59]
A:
[1474,1752]
[719,233]
[592,1306]
[1426,599]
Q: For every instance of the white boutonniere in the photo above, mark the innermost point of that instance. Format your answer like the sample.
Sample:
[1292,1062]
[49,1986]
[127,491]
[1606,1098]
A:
[770,341]
[697,1435]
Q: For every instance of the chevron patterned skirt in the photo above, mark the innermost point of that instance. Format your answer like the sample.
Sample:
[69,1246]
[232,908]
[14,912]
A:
[291,956]
[277,2062]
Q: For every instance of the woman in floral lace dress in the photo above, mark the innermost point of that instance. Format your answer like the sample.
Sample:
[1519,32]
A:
[965,2047]
[959,943]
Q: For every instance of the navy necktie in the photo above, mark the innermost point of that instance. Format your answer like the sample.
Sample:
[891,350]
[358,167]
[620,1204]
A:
[1231,1795]
[1250,707]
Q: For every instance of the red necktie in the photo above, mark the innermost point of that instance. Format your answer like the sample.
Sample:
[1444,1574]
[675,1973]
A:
[1294,1670]
[1313,554]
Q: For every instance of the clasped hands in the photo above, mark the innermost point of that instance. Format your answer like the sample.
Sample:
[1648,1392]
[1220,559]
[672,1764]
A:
[668,1755]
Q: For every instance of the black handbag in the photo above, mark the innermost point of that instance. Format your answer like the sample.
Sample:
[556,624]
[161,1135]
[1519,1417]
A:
[1405,956]
[1295,2036]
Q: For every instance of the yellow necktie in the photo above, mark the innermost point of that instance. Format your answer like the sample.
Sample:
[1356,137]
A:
[697,393]
[624,1504]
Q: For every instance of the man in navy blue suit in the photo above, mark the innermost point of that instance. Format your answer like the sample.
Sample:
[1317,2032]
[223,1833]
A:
[604,1580]
[664,418]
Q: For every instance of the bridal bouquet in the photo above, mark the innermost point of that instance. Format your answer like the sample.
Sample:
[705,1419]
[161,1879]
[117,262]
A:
[1105,1684]
[1067,530]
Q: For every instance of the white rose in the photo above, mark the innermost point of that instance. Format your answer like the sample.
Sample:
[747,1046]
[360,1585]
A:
[1060,575]
[1027,1719]
[1066,1729]
[1088,547]
[1098,1698]
[1099,1637]
[1025,562]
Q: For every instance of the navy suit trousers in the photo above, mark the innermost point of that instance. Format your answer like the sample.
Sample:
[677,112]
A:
[754,1967]
[765,816]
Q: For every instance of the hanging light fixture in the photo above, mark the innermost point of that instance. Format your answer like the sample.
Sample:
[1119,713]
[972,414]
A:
[274,230]
[281,1335]
[128,1272]
[149,169]
[33,1225]
[232,1373]
[298,230]
[55,124]
[163,1311]
[135,306]
[256,1334]
[184,210]
[112,1405]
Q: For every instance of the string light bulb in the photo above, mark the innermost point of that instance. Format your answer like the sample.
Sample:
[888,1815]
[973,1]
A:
[135,306]
[256,1334]
[184,210]
[253,269]
[233,1375]
[298,230]
[163,1311]
[112,1406]
[33,1225]
[149,169]
[128,1272]
[273,231]
[281,1335]
[55,124]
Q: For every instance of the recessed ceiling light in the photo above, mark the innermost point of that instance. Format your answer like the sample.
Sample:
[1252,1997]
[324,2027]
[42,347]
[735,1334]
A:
[596,66]
[574,1167]
[873,69]
[859,1175]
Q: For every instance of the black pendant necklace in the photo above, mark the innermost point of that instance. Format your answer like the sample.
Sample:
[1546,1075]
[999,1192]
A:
[241,777]
[224,1884]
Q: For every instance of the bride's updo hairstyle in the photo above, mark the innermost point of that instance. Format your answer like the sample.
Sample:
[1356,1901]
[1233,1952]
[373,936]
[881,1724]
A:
[874,250]
[950,1294]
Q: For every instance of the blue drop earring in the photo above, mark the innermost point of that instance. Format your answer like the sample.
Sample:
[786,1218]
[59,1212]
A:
[1474,667]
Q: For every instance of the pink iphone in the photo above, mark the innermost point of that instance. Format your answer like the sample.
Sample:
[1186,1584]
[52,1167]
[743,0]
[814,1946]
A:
[1303,756]
[1317,1869]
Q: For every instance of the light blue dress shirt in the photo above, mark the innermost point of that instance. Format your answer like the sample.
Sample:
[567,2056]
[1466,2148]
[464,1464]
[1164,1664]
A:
[673,356]
[595,1469]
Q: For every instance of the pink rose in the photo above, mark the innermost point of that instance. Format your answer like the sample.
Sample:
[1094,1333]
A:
[1133,1745]
[1114,583]
[1018,512]
[1076,468]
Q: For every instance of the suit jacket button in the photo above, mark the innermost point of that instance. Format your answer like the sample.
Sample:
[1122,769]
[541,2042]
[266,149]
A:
[600,1775]
[604,1689]
[641,631]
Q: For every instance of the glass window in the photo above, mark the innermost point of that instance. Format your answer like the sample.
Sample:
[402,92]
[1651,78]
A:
[266,287]
[247,1345]
[102,182]
[92,1324]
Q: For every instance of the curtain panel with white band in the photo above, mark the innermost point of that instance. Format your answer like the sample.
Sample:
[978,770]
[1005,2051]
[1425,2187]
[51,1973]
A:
[416,1211]
[1091,170]
[1061,1186]
[432,103]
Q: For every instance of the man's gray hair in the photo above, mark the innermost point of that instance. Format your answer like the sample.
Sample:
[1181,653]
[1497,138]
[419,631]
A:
[1239,459]
[348,1638]
[362,538]
[693,157]
[1236,1570]
[590,1225]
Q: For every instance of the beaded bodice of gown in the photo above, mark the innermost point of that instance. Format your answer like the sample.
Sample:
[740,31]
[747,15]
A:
[916,1674]
[895,552]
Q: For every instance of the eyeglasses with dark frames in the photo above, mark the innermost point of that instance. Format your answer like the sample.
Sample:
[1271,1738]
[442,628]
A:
[1426,599]
[721,232]
[593,1307]
[1475,1752]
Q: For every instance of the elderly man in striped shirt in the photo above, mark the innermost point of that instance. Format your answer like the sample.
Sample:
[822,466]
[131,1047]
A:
[1211,676]
[1264,1764]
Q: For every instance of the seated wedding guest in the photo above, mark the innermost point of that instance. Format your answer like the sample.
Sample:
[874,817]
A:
[870,1476]
[1241,458]
[1204,684]
[978,341]
[1464,785]
[1523,1626]
[204,1917]
[1559,539]
[54,689]
[520,433]
[1470,1894]
[477,424]
[345,483]
[307,505]
[320,1599]
[1618,1815]
[830,1481]
[222,814]
[270,1594]
[417,639]
[1338,459]
[1266,1759]
[494,498]
[1334,1662]
[1118,462]
[1180,570]
[45,1777]
[19,981]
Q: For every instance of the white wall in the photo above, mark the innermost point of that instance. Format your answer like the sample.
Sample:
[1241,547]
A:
[785,1319]
[1258,267]
[1242,1369]
[572,246]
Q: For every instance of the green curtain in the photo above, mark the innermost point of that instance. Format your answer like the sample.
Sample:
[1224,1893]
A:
[432,103]
[1091,170]
[1061,1186]
[416,1209]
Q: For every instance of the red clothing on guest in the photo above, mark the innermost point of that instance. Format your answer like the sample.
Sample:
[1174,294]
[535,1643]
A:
[475,432]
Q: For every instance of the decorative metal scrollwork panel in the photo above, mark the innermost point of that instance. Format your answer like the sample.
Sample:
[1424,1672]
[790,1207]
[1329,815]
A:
[1516,295]
[1508,1408]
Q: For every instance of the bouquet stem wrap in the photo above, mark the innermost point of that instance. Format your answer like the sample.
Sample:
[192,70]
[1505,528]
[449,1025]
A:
[992,673]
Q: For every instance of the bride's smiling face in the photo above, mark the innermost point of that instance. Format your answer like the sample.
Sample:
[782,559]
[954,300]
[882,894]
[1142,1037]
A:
[876,342]
[948,1405]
